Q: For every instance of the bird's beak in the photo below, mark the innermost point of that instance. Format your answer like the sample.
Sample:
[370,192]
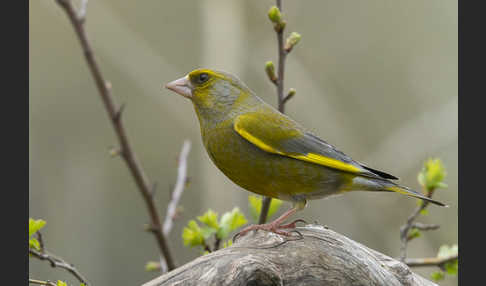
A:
[181,86]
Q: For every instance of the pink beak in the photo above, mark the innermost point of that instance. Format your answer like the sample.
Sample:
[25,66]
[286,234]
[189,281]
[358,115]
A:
[181,86]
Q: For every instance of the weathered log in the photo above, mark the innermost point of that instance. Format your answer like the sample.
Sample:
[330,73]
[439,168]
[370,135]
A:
[319,257]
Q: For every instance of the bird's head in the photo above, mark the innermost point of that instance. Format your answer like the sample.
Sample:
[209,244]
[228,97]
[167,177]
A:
[214,93]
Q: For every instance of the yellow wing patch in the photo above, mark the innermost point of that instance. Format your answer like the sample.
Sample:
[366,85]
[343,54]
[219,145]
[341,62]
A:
[309,157]
[326,161]
[259,143]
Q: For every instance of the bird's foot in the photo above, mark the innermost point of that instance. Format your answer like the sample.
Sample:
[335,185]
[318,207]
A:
[292,224]
[274,227]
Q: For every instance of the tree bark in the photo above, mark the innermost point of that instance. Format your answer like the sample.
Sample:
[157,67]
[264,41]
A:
[320,257]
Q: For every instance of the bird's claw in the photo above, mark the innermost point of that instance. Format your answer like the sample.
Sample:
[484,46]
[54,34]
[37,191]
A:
[301,236]
[292,224]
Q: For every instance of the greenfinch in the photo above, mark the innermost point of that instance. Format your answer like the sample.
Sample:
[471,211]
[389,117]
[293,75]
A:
[268,153]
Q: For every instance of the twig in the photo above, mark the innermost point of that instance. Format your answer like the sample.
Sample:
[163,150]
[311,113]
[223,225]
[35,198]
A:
[217,243]
[179,187]
[40,282]
[404,230]
[40,240]
[58,262]
[115,116]
[176,195]
[206,247]
[423,226]
[282,54]
[432,261]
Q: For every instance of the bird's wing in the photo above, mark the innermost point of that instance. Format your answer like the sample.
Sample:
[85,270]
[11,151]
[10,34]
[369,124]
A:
[277,134]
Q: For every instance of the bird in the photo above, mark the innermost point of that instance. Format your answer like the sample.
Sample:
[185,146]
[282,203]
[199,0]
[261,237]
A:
[266,152]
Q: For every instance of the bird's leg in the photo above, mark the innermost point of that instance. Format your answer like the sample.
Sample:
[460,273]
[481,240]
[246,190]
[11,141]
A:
[276,225]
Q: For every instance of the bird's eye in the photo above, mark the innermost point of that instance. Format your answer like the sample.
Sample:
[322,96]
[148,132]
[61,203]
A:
[202,78]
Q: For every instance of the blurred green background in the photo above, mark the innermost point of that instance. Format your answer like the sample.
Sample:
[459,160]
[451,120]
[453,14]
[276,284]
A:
[377,79]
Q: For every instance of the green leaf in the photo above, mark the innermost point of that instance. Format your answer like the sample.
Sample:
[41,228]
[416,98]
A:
[192,234]
[230,221]
[424,212]
[447,251]
[207,232]
[34,243]
[61,283]
[255,207]
[35,225]
[152,266]
[437,276]
[442,185]
[421,177]
[452,267]
[414,233]
[432,174]
[227,243]
[274,207]
[209,218]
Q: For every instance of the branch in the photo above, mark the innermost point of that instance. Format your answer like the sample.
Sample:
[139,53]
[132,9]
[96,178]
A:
[432,261]
[179,187]
[279,82]
[320,257]
[58,262]
[423,226]
[40,282]
[282,54]
[176,195]
[405,229]
[114,114]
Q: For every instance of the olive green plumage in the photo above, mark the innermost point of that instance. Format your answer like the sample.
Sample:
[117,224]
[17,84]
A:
[268,153]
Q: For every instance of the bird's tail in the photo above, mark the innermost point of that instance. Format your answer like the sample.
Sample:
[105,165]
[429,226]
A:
[409,192]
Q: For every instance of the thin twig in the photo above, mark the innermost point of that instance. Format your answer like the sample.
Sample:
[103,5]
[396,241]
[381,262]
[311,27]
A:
[432,261]
[40,240]
[423,226]
[176,195]
[206,247]
[115,116]
[282,54]
[405,238]
[405,229]
[59,263]
[281,102]
[40,282]
[217,243]
[179,187]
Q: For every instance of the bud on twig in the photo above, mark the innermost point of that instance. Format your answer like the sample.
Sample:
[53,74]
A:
[291,93]
[276,17]
[152,266]
[292,40]
[274,14]
[113,151]
[270,69]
